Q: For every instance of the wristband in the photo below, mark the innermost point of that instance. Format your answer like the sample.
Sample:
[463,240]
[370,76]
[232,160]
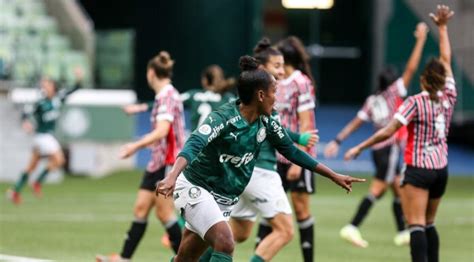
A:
[338,141]
[304,139]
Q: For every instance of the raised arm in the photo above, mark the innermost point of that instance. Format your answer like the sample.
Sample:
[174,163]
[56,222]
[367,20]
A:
[441,18]
[64,93]
[414,60]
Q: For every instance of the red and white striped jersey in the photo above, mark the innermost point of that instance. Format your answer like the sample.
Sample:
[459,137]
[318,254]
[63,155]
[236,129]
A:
[428,126]
[380,108]
[294,95]
[168,107]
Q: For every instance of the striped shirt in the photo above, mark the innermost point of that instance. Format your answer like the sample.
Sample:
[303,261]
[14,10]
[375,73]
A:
[167,107]
[380,108]
[428,126]
[295,95]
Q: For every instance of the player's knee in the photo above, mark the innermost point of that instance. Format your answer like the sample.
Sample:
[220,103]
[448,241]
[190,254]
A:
[301,213]
[140,210]
[224,243]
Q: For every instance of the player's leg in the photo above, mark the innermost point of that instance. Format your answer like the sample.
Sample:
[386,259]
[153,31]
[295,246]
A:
[301,205]
[141,209]
[436,192]
[50,147]
[282,233]
[414,202]
[14,193]
[403,235]
[192,246]
[241,229]
[165,212]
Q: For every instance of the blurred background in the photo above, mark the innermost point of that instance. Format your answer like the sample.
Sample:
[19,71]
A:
[350,42]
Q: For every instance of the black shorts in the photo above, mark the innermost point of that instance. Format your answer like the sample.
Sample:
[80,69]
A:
[150,179]
[433,180]
[306,182]
[386,162]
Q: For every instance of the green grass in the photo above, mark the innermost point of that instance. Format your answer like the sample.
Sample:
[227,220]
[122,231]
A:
[82,217]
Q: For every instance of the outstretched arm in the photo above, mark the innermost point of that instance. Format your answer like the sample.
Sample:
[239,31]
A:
[379,136]
[332,148]
[414,60]
[441,18]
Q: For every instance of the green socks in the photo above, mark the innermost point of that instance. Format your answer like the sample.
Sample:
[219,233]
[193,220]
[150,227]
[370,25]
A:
[256,258]
[206,256]
[21,182]
[42,176]
[181,222]
[220,257]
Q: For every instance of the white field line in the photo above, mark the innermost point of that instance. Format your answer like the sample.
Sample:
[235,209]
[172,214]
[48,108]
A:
[9,258]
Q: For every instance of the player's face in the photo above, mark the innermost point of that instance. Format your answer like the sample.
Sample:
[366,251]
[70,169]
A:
[268,99]
[47,87]
[275,66]
[150,76]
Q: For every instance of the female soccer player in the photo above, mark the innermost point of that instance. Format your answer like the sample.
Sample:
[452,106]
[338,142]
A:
[44,113]
[166,140]
[217,162]
[427,116]
[202,102]
[295,105]
[264,194]
[379,109]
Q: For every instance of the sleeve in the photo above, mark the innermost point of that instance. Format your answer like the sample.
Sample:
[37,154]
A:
[64,93]
[450,89]
[407,111]
[295,137]
[306,100]
[279,139]
[398,88]
[365,112]
[186,99]
[165,109]
[209,130]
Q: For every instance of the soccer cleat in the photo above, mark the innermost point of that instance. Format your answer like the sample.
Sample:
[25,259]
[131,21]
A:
[402,238]
[111,258]
[13,196]
[37,189]
[165,241]
[352,234]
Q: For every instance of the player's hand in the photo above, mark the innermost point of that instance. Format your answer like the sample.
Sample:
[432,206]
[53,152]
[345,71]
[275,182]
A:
[134,109]
[331,149]
[314,137]
[443,14]
[346,181]
[421,31]
[352,153]
[28,127]
[127,150]
[165,187]
[294,173]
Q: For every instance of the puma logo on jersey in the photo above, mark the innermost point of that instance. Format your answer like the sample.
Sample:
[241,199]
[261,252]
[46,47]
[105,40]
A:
[233,135]
[236,160]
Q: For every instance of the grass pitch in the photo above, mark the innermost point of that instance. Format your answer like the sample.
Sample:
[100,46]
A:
[82,217]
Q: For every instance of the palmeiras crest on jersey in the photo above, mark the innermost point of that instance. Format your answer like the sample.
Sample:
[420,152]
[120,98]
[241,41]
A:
[261,134]
[194,192]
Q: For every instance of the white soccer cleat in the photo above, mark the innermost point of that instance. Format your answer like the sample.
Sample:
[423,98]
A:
[402,238]
[352,234]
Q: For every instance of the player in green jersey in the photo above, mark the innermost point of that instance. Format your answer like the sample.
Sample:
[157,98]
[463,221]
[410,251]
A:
[201,102]
[272,203]
[41,119]
[217,162]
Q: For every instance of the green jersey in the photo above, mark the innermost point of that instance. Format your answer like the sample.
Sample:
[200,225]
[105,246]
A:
[45,112]
[222,152]
[201,103]
[267,157]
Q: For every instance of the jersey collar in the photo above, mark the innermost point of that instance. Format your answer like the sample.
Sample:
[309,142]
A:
[242,123]
[165,89]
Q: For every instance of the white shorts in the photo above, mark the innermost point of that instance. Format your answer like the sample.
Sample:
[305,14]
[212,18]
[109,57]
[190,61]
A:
[198,207]
[264,194]
[46,144]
